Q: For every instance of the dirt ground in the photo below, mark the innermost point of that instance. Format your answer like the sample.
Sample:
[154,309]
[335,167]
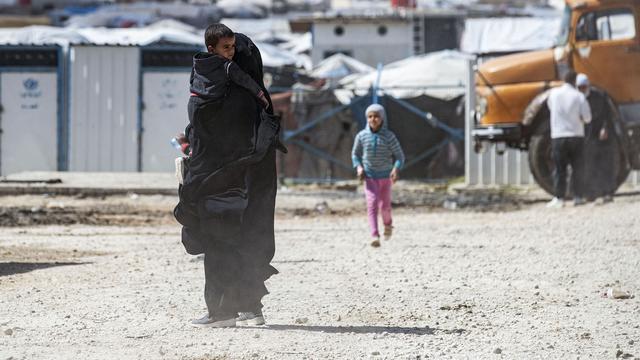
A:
[467,275]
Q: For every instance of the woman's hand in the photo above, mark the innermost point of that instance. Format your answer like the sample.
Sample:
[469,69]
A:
[603,134]
[360,172]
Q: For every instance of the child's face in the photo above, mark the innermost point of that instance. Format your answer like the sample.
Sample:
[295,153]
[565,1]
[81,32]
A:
[226,47]
[374,120]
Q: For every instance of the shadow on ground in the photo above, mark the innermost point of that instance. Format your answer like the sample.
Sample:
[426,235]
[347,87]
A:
[12,268]
[365,329]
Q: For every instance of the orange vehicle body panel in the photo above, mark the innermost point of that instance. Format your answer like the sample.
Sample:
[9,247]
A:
[509,105]
[509,83]
[518,68]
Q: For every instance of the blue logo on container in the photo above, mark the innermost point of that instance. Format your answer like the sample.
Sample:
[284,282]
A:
[30,94]
[30,84]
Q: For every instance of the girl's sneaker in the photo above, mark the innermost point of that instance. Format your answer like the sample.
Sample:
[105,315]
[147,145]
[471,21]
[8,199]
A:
[376,242]
[250,318]
[388,231]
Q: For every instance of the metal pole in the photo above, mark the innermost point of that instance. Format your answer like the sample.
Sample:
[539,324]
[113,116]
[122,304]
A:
[376,85]
[470,159]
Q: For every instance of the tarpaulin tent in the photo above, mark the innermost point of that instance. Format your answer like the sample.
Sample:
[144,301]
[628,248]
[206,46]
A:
[338,66]
[422,95]
[144,13]
[36,35]
[500,35]
[440,75]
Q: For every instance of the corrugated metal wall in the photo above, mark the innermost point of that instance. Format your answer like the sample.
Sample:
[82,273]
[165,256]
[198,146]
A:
[489,168]
[104,108]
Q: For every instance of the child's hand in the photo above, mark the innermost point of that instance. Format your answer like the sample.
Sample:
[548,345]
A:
[181,138]
[394,175]
[360,172]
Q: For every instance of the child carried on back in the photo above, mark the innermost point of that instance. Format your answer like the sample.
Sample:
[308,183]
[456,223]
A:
[212,71]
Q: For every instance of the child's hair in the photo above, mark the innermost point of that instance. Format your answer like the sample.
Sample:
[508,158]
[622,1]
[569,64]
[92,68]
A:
[215,32]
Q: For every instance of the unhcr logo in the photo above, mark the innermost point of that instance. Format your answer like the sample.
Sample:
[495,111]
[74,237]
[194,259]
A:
[31,88]
[30,84]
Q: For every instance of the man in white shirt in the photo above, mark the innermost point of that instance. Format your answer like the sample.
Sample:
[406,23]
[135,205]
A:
[569,110]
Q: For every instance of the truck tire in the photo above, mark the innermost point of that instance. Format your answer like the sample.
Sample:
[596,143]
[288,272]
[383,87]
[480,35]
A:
[624,169]
[541,161]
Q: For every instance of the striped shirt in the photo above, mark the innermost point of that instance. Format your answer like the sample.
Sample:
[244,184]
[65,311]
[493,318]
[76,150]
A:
[378,152]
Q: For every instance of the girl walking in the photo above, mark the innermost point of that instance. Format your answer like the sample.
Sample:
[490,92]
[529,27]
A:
[377,157]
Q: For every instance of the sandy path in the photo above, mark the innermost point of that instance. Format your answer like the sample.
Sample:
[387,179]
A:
[448,285]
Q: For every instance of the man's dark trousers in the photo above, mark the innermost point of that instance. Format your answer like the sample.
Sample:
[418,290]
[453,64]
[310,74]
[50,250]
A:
[568,151]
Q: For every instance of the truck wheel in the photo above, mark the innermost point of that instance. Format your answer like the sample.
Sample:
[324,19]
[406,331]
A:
[540,160]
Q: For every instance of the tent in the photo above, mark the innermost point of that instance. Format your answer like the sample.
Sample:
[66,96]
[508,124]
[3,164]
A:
[47,35]
[423,97]
[440,75]
[495,35]
[259,29]
[273,56]
[338,66]
[144,13]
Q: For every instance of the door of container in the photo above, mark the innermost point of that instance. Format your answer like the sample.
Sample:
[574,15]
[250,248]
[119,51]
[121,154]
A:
[28,121]
[103,108]
[165,97]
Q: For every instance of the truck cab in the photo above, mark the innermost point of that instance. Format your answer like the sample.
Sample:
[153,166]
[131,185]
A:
[600,38]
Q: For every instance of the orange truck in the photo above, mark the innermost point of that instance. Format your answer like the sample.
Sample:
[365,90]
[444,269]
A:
[600,38]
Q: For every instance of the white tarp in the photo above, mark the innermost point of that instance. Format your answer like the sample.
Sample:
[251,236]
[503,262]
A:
[297,43]
[142,13]
[47,35]
[273,56]
[260,29]
[39,35]
[173,24]
[440,74]
[509,34]
[338,66]
[244,9]
[139,37]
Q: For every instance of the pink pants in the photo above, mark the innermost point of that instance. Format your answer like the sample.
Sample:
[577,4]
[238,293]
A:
[378,195]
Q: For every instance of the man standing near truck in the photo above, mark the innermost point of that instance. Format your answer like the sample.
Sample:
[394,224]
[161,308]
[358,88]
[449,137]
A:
[600,144]
[569,112]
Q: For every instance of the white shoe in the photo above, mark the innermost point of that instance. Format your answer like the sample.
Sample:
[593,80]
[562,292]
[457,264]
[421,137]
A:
[555,203]
[250,318]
